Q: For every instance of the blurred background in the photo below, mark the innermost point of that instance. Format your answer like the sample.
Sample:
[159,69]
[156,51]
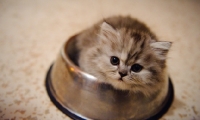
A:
[33,32]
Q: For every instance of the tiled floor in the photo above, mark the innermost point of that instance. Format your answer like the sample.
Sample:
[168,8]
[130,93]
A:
[32,33]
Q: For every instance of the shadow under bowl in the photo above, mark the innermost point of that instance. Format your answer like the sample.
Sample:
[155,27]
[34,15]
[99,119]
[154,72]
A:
[81,96]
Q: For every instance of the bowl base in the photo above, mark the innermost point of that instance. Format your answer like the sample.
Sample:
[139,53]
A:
[166,104]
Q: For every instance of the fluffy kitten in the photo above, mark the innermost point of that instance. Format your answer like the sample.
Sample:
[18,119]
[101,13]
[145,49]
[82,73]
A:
[123,52]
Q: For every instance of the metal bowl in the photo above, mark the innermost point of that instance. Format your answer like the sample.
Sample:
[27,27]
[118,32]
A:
[81,96]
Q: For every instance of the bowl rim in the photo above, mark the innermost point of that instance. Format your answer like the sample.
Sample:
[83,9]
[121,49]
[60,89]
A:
[52,95]
[68,61]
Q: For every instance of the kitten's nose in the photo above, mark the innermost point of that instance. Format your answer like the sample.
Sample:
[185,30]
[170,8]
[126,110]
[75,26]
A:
[122,74]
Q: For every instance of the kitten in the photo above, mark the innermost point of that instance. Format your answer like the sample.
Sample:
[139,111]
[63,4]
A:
[123,52]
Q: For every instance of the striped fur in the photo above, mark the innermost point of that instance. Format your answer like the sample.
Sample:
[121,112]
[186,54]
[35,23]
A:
[132,42]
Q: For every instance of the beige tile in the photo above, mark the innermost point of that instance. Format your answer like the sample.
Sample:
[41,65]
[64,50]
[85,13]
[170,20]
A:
[32,33]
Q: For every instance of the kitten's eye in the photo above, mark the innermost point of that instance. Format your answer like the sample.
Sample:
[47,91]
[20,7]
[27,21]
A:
[136,68]
[114,60]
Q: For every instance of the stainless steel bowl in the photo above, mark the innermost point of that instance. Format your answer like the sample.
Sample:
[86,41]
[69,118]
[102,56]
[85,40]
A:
[81,96]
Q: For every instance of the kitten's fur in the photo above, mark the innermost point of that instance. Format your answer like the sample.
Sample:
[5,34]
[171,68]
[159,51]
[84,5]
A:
[132,42]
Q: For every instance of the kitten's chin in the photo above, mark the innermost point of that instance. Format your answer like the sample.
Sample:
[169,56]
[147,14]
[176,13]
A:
[119,84]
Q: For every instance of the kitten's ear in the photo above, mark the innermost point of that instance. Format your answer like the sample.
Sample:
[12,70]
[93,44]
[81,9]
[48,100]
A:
[161,48]
[107,31]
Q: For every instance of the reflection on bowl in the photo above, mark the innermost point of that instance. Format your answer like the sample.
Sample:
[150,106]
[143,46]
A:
[81,96]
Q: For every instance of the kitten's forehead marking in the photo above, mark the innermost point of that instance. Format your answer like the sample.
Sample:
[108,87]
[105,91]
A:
[136,47]
[127,45]
[137,36]
[123,56]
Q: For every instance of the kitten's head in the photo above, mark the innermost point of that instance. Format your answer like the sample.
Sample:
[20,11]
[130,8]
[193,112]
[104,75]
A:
[129,59]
